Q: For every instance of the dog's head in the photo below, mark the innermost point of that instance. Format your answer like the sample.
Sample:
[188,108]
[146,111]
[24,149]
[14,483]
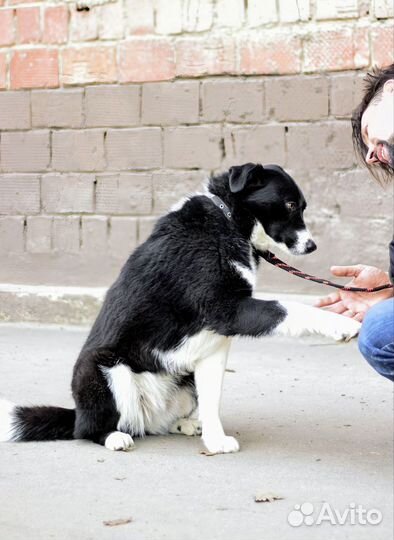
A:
[277,204]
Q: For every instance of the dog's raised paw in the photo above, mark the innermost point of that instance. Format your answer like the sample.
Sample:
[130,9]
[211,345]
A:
[222,445]
[119,441]
[186,426]
[346,329]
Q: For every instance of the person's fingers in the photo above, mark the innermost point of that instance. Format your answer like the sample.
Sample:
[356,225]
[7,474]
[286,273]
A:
[346,271]
[359,316]
[348,313]
[357,307]
[338,307]
[328,300]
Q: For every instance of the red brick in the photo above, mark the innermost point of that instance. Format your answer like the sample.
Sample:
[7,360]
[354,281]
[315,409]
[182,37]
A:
[270,54]
[3,70]
[199,56]
[88,65]
[382,45]
[36,68]
[17,2]
[6,27]
[55,24]
[146,60]
[28,25]
[335,50]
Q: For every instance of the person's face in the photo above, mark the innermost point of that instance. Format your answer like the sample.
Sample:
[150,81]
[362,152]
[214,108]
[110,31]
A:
[377,128]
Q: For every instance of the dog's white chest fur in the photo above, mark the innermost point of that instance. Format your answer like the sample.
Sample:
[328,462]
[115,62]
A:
[248,273]
[183,359]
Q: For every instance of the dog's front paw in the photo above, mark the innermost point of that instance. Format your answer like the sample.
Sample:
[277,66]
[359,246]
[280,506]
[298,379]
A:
[221,445]
[119,441]
[343,329]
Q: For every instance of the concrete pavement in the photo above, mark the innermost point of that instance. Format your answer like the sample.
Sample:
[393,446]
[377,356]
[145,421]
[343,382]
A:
[313,419]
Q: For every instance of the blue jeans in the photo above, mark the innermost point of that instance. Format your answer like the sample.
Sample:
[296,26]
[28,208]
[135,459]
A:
[376,340]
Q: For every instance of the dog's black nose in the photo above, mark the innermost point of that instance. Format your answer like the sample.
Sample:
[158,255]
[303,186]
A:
[310,246]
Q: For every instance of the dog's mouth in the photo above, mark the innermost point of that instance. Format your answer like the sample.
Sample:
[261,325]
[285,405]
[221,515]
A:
[304,243]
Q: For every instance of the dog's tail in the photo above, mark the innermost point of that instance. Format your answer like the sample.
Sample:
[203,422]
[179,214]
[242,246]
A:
[35,423]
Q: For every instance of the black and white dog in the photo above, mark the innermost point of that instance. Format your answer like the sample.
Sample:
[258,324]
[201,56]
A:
[154,360]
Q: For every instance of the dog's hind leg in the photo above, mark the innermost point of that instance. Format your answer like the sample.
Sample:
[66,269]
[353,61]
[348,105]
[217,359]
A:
[188,425]
[186,411]
[209,378]
[96,414]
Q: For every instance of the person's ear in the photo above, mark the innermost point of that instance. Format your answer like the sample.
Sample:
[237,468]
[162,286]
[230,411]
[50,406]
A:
[243,176]
[388,86]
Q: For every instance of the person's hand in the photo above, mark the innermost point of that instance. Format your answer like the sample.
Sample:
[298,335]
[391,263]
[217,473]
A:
[356,304]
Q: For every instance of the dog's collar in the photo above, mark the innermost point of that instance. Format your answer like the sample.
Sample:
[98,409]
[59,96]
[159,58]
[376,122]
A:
[220,204]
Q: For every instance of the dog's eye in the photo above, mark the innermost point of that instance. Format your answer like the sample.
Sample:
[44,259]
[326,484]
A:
[291,206]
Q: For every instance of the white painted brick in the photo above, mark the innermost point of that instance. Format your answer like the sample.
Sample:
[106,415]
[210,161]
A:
[94,234]
[38,234]
[65,234]
[83,25]
[111,21]
[336,9]
[230,13]
[140,16]
[169,16]
[11,234]
[261,12]
[19,194]
[67,193]
[122,236]
[197,15]
[145,227]
[125,193]
[294,10]
[383,9]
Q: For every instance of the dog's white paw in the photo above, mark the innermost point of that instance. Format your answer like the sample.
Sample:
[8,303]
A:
[221,445]
[186,426]
[342,328]
[119,441]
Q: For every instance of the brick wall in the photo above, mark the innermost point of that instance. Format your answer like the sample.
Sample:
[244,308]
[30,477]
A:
[112,110]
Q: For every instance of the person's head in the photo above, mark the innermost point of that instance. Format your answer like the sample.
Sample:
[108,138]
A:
[373,124]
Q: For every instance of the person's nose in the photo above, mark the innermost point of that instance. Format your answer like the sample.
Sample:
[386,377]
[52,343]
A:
[371,155]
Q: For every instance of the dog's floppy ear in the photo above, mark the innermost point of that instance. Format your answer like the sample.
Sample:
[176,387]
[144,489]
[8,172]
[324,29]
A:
[248,175]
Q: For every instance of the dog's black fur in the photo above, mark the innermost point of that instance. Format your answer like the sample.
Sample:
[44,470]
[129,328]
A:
[177,283]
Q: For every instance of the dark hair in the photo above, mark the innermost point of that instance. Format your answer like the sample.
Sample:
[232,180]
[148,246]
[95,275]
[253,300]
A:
[374,82]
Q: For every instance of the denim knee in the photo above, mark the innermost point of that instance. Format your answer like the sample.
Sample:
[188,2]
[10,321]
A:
[376,339]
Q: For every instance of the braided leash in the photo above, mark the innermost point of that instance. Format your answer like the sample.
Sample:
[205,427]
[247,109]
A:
[272,259]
